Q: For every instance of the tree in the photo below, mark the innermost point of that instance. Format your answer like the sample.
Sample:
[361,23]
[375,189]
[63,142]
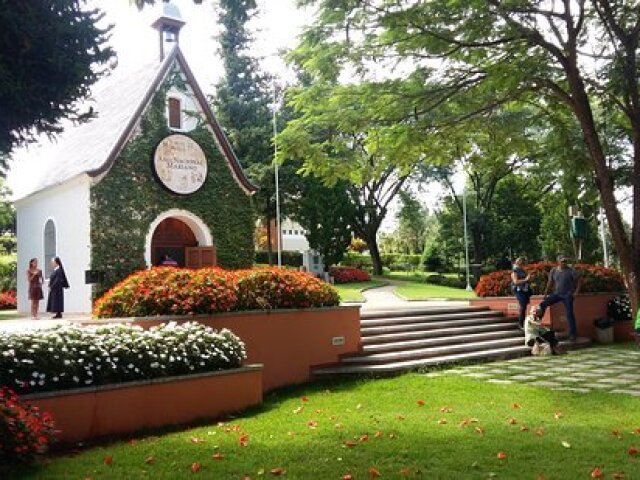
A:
[242,103]
[51,52]
[412,223]
[326,214]
[582,54]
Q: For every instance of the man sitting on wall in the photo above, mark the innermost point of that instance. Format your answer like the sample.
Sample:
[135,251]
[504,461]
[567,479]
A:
[566,282]
[167,261]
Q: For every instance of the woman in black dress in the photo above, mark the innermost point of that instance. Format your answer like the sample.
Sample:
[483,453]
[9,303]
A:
[57,283]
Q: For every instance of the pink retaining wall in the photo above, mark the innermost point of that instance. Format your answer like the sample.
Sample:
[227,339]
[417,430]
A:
[122,409]
[587,308]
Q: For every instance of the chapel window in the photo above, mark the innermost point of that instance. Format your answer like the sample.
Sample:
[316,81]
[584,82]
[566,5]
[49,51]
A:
[175,113]
[49,246]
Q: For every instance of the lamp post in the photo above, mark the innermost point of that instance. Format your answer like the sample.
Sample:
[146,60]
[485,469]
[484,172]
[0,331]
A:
[466,241]
[603,236]
[277,179]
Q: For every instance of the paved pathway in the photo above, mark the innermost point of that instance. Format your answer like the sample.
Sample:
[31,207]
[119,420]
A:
[383,298]
[581,371]
[44,322]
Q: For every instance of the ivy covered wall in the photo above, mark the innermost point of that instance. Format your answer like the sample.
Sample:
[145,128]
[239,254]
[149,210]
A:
[128,199]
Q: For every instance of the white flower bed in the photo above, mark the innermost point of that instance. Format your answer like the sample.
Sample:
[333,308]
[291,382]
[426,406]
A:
[72,357]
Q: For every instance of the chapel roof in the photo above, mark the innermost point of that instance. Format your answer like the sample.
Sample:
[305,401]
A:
[118,103]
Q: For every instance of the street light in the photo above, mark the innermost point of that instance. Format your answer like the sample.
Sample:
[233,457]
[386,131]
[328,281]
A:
[277,179]
[603,237]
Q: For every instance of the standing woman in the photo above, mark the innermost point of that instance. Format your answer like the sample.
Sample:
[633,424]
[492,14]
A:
[57,283]
[521,288]
[34,277]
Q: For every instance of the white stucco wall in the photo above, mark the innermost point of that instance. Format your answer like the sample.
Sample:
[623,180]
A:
[68,206]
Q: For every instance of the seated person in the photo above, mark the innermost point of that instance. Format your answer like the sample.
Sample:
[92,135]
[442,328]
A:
[536,336]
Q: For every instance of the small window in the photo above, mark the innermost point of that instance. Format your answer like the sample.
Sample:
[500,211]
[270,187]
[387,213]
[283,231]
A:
[49,246]
[175,113]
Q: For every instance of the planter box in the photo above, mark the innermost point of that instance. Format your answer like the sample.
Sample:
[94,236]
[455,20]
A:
[126,408]
[287,342]
[587,308]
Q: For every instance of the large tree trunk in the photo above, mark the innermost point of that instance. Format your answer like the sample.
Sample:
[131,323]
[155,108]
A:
[628,251]
[374,251]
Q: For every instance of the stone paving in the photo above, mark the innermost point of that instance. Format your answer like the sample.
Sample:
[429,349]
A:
[581,371]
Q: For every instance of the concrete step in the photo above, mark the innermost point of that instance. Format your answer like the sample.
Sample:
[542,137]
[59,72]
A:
[400,366]
[402,327]
[438,332]
[417,353]
[418,312]
[426,318]
[445,340]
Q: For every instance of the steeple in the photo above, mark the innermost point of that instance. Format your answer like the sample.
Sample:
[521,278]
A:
[168,26]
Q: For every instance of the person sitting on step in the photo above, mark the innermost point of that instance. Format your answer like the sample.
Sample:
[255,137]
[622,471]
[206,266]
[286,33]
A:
[540,338]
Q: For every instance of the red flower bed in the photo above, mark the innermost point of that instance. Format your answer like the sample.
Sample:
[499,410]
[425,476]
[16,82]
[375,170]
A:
[181,291]
[348,275]
[24,431]
[594,279]
[8,300]
[278,288]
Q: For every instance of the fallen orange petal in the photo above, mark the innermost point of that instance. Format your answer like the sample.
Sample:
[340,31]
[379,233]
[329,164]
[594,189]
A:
[338,426]
[524,428]
[364,438]
[405,471]
[195,467]
[218,456]
[347,477]
[400,417]
[373,472]
[196,440]
[596,473]
[420,403]
[108,460]
[516,405]
[378,434]
[350,443]
[501,455]
[557,415]
[442,421]
[150,460]
[617,475]
[540,432]
[633,451]
[277,471]
[312,424]
[512,421]
[479,430]
[304,399]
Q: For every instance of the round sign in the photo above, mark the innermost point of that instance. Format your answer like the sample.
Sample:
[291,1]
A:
[180,164]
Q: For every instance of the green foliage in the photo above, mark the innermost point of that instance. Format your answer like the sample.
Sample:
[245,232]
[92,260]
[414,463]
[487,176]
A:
[412,223]
[8,274]
[127,200]
[52,52]
[289,258]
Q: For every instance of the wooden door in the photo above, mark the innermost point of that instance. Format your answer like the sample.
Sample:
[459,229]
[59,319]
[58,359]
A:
[199,257]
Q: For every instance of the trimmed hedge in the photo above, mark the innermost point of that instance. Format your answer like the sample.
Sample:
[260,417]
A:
[72,357]
[446,281]
[594,279]
[289,257]
[348,275]
[181,291]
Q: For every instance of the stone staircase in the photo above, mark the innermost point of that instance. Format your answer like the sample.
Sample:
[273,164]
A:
[400,340]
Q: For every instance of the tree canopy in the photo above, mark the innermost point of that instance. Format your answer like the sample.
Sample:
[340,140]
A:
[51,52]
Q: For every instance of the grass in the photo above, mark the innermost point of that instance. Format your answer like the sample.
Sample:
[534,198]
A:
[415,275]
[9,315]
[425,291]
[352,292]
[326,431]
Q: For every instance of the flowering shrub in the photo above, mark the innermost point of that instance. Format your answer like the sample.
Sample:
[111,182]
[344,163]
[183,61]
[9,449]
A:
[594,279]
[8,300]
[348,275]
[181,291]
[619,309]
[71,357]
[25,431]
[277,288]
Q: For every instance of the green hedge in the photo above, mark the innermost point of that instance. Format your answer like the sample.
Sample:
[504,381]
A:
[289,258]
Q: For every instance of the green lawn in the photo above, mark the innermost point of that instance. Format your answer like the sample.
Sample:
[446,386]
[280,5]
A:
[352,292]
[425,291]
[412,426]
[9,315]
[415,275]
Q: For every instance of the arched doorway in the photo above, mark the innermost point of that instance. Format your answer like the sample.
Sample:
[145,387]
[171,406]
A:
[183,236]
[172,237]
